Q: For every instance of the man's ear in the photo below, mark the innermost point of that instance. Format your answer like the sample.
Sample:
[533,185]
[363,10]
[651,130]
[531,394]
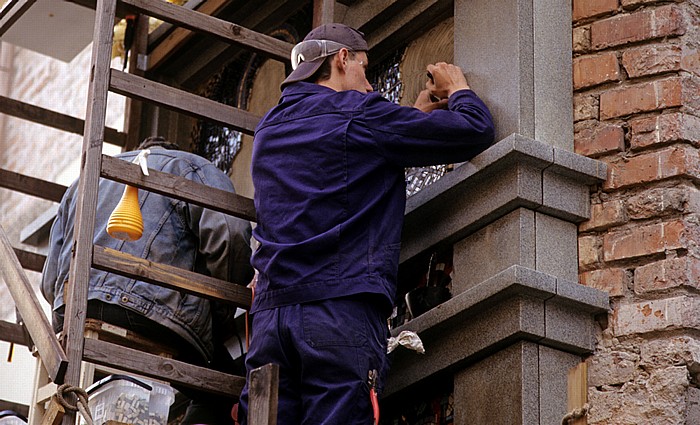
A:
[342,57]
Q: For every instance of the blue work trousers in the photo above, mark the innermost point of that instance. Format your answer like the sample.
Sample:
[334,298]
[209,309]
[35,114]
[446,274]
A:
[325,351]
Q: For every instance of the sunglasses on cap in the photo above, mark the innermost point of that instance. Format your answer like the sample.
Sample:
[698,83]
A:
[311,50]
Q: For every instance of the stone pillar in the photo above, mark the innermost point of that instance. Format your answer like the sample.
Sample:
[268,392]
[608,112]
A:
[518,320]
[517,56]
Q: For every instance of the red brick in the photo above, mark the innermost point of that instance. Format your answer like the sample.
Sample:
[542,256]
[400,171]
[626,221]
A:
[653,166]
[581,39]
[644,97]
[690,60]
[650,60]
[612,281]
[585,107]
[597,139]
[590,8]
[605,215]
[645,24]
[666,128]
[661,202]
[667,274]
[595,69]
[588,250]
[642,241]
[656,315]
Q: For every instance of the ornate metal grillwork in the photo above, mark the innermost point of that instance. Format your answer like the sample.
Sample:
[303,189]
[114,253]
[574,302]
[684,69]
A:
[386,79]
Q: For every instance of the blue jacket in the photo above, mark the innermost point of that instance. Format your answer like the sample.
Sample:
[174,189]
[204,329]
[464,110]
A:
[175,233]
[328,171]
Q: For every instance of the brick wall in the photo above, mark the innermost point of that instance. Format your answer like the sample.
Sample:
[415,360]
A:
[636,77]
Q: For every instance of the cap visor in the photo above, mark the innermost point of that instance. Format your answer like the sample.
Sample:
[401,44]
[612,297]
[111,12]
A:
[303,71]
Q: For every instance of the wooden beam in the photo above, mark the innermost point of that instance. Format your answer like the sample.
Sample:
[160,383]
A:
[31,186]
[324,12]
[53,119]
[179,188]
[30,260]
[14,333]
[577,394]
[227,31]
[51,352]
[174,371]
[133,110]
[389,24]
[12,12]
[211,56]
[114,261]
[179,36]
[263,395]
[182,101]
[86,203]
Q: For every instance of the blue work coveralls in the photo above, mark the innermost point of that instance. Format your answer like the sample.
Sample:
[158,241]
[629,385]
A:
[328,170]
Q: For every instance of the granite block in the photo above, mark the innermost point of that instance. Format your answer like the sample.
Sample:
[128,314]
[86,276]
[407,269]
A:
[553,86]
[505,242]
[500,390]
[463,340]
[567,328]
[556,247]
[554,366]
[565,197]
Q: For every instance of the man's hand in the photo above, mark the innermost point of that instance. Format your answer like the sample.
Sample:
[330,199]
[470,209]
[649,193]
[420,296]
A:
[445,79]
[426,104]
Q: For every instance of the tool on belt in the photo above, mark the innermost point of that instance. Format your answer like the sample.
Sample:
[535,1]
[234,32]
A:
[373,394]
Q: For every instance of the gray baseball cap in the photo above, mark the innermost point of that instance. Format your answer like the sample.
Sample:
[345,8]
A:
[320,43]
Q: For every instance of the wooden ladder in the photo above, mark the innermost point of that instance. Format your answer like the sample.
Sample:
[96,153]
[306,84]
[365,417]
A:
[95,165]
[63,363]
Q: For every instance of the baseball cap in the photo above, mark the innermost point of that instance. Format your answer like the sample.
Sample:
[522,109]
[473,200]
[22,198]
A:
[320,43]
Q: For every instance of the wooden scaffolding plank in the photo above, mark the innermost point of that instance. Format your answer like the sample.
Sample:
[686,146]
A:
[174,371]
[114,261]
[182,101]
[263,395]
[53,119]
[179,188]
[31,186]
[14,333]
[179,36]
[12,12]
[51,352]
[30,260]
[86,205]
[227,31]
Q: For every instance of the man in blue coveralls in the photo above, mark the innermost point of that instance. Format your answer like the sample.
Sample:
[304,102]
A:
[328,170]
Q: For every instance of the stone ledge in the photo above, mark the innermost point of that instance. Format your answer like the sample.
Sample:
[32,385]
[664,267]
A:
[515,172]
[518,304]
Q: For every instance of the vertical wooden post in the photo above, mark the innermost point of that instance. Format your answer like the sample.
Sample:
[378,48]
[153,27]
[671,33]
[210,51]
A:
[324,12]
[262,396]
[93,138]
[577,391]
[134,108]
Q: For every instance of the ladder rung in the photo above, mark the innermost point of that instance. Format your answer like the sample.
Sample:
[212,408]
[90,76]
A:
[30,260]
[171,277]
[31,186]
[179,188]
[11,12]
[181,101]
[53,119]
[174,371]
[228,31]
[12,332]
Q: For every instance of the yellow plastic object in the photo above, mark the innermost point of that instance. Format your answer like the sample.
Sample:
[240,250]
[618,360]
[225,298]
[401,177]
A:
[126,222]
